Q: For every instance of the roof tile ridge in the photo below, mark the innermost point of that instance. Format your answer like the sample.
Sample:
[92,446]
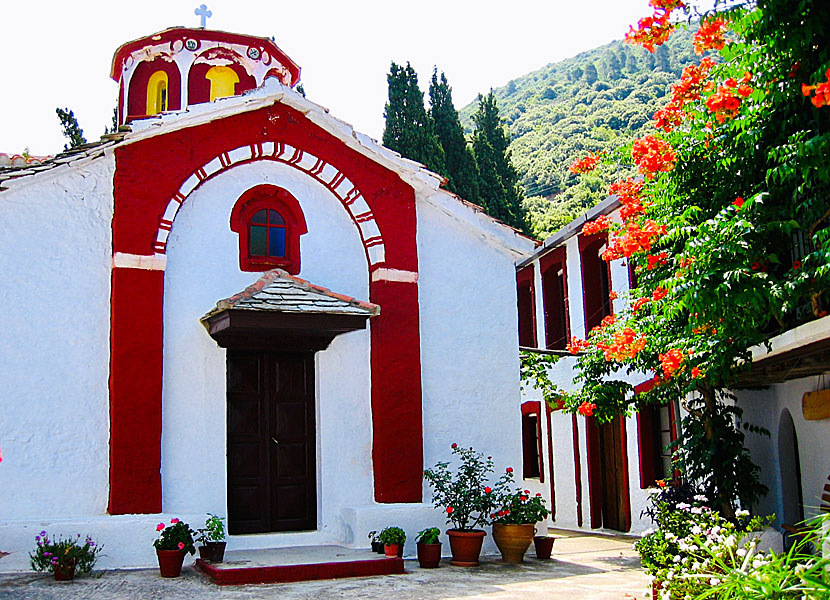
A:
[252,290]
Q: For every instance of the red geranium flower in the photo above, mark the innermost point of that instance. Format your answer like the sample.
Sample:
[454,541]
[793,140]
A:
[449,510]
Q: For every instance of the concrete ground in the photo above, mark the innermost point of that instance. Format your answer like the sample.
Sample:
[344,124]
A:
[584,566]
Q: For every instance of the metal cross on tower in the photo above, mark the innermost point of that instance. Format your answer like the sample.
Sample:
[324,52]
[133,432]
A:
[204,13]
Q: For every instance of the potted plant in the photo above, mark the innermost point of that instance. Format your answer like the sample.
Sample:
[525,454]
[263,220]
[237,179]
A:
[543,545]
[393,539]
[515,523]
[377,546]
[212,537]
[468,500]
[63,557]
[429,548]
[171,545]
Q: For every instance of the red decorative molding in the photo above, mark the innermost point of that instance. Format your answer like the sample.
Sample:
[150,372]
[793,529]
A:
[276,198]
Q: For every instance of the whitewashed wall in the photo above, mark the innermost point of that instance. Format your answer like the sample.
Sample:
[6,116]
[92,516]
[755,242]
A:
[764,408]
[55,293]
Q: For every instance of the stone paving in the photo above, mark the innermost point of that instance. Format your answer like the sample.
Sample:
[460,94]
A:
[584,566]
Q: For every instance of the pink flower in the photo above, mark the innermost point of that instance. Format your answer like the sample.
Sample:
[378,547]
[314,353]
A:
[160,526]
[173,521]
[181,545]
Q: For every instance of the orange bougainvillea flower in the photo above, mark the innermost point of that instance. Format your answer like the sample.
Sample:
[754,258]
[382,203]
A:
[822,91]
[654,30]
[695,372]
[587,164]
[601,223]
[653,155]
[624,345]
[671,362]
[738,202]
[711,35]
[576,345]
[659,294]
[586,409]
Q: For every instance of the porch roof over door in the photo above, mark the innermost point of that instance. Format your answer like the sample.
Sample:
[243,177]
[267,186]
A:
[282,312]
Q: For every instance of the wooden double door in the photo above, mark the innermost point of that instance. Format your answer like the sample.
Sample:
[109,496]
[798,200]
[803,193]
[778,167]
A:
[271,442]
[608,474]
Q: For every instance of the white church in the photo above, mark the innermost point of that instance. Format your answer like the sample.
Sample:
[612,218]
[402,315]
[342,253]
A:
[240,305]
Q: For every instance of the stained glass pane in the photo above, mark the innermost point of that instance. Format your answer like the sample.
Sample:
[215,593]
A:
[275,218]
[259,216]
[276,243]
[258,240]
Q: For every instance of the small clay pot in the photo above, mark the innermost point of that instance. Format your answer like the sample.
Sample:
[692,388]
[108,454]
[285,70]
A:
[215,551]
[429,555]
[170,562]
[65,572]
[544,546]
[393,550]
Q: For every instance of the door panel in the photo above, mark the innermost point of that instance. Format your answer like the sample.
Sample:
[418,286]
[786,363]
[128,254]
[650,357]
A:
[271,442]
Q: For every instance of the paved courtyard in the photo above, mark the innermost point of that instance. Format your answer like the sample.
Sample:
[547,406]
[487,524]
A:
[583,567]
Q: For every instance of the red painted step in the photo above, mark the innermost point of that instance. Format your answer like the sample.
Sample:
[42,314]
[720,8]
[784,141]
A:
[305,563]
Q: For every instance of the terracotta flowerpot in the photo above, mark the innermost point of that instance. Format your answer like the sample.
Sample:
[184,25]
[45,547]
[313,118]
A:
[513,540]
[170,562]
[429,555]
[465,545]
[543,545]
[215,551]
[65,572]
[393,550]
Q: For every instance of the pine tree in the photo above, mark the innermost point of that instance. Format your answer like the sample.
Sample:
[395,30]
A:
[71,130]
[409,129]
[591,74]
[461,166]
[500,192]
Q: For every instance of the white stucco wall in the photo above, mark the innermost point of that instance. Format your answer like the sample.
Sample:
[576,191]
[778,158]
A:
[203,267]
[764,407]
[55,292]
[469,346]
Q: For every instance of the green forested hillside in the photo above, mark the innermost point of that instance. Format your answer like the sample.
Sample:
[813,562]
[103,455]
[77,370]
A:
[592,102]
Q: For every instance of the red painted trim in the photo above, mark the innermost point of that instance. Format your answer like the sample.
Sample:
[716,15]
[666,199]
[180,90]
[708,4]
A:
[397,436]
[548,411]
[182,33]
[534,407]
[281,200]
[645,386]
[526,300]
[148,174]
[549,266]
[137,96]
[594,472]
[593,299]
[135,390]
[625,492]
[308,572]
[577,470]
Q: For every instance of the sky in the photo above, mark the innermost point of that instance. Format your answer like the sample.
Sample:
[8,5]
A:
[58,53]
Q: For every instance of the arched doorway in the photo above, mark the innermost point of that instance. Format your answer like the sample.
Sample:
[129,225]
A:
[792,503]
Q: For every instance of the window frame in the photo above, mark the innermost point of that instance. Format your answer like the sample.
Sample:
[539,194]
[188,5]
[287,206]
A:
[261,197]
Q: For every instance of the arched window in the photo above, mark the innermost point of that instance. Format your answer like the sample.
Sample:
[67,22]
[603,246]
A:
[269,222]
[223,82]
[157,93]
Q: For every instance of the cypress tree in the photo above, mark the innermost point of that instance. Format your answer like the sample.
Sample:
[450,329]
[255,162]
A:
[409,129]
[461,166]
[71,129]
[499,187]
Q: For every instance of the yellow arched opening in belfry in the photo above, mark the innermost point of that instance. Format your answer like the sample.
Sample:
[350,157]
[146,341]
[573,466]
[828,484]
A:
[223,82]
[157,93]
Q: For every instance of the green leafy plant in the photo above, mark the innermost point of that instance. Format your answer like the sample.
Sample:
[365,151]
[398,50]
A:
[521,508]
[466,495]
[428,536]
[60,553]
[392,535]
[177,536]
[213,531]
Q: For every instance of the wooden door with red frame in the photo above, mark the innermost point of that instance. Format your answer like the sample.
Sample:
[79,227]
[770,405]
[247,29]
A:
[271,442]
[608,474]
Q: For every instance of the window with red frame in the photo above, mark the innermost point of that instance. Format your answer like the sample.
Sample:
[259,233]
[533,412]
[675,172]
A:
[532,467]
[269,222]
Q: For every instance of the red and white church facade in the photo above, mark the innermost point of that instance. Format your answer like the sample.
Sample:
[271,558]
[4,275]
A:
[242,306]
